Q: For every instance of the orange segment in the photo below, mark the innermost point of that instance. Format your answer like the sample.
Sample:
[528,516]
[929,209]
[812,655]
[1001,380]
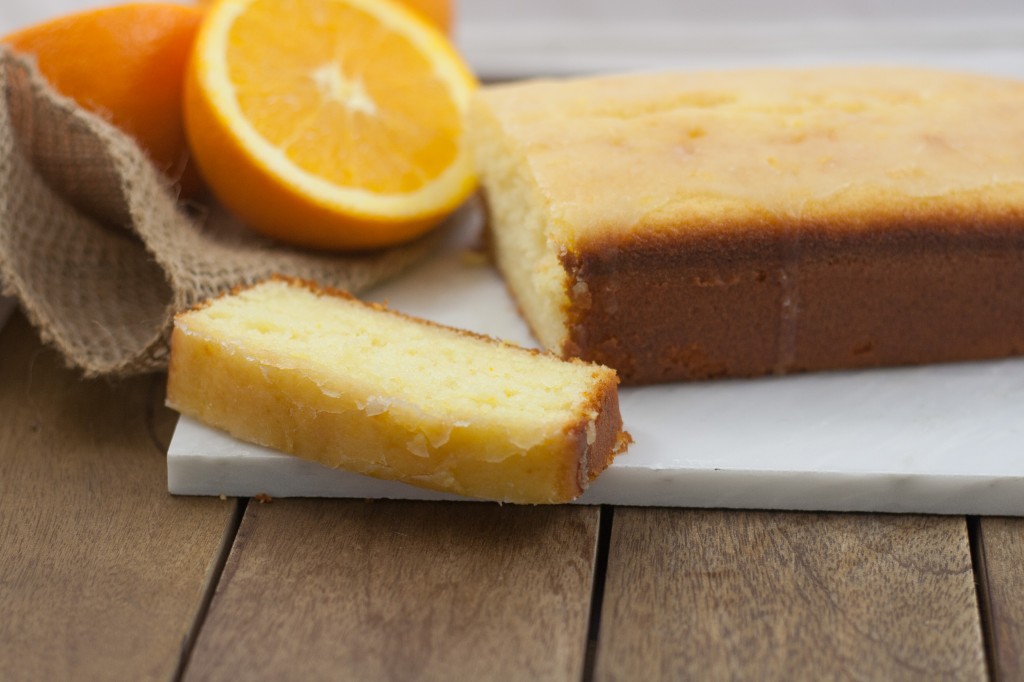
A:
[126,63]
[330,123]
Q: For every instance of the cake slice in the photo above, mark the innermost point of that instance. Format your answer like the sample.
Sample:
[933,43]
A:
[697,225]
[323,376]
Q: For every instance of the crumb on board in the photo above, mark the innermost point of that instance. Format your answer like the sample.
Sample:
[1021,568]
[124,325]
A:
[263,498]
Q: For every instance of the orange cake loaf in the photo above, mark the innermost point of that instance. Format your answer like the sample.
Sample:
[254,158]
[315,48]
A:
[325,377]
[698,225]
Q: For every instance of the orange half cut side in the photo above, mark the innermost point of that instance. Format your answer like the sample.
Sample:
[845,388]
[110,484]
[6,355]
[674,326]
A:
[333,124]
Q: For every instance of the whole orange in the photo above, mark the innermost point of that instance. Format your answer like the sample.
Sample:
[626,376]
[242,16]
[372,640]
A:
[126,63]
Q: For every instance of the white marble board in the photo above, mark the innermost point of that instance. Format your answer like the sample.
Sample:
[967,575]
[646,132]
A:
[936,439]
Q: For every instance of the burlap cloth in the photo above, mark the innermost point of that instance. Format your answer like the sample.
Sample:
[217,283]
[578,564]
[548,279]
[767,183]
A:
[99,252]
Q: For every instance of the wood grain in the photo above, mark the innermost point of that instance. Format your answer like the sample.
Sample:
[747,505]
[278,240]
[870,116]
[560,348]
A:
[1001,559]
[402,590]
[101,571]
[716,595]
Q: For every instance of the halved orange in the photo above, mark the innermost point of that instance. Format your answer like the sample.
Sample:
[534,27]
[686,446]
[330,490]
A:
[334,124]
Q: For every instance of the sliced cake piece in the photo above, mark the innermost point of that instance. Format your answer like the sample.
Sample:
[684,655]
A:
[323,376]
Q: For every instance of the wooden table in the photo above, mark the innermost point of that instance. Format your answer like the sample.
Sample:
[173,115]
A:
[103,575]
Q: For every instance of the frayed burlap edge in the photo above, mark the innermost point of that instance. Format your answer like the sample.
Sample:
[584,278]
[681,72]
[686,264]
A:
[99,252]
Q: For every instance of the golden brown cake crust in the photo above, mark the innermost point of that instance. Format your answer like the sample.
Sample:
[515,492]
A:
[794,297]
[609,437]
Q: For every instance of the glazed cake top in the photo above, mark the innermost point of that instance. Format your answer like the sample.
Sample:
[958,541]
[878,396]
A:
[689,151]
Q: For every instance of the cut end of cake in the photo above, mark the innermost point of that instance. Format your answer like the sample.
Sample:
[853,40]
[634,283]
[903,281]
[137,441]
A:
[528,255]
[323,376]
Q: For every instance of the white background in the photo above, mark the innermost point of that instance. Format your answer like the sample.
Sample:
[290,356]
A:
[510,38]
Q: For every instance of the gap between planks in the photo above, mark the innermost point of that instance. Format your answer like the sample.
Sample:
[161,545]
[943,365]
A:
[998,550]
[604,534]
[212,581]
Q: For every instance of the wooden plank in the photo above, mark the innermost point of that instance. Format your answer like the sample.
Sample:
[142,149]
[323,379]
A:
[402,590]
[1001,572]
[101,571]
[716,595]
